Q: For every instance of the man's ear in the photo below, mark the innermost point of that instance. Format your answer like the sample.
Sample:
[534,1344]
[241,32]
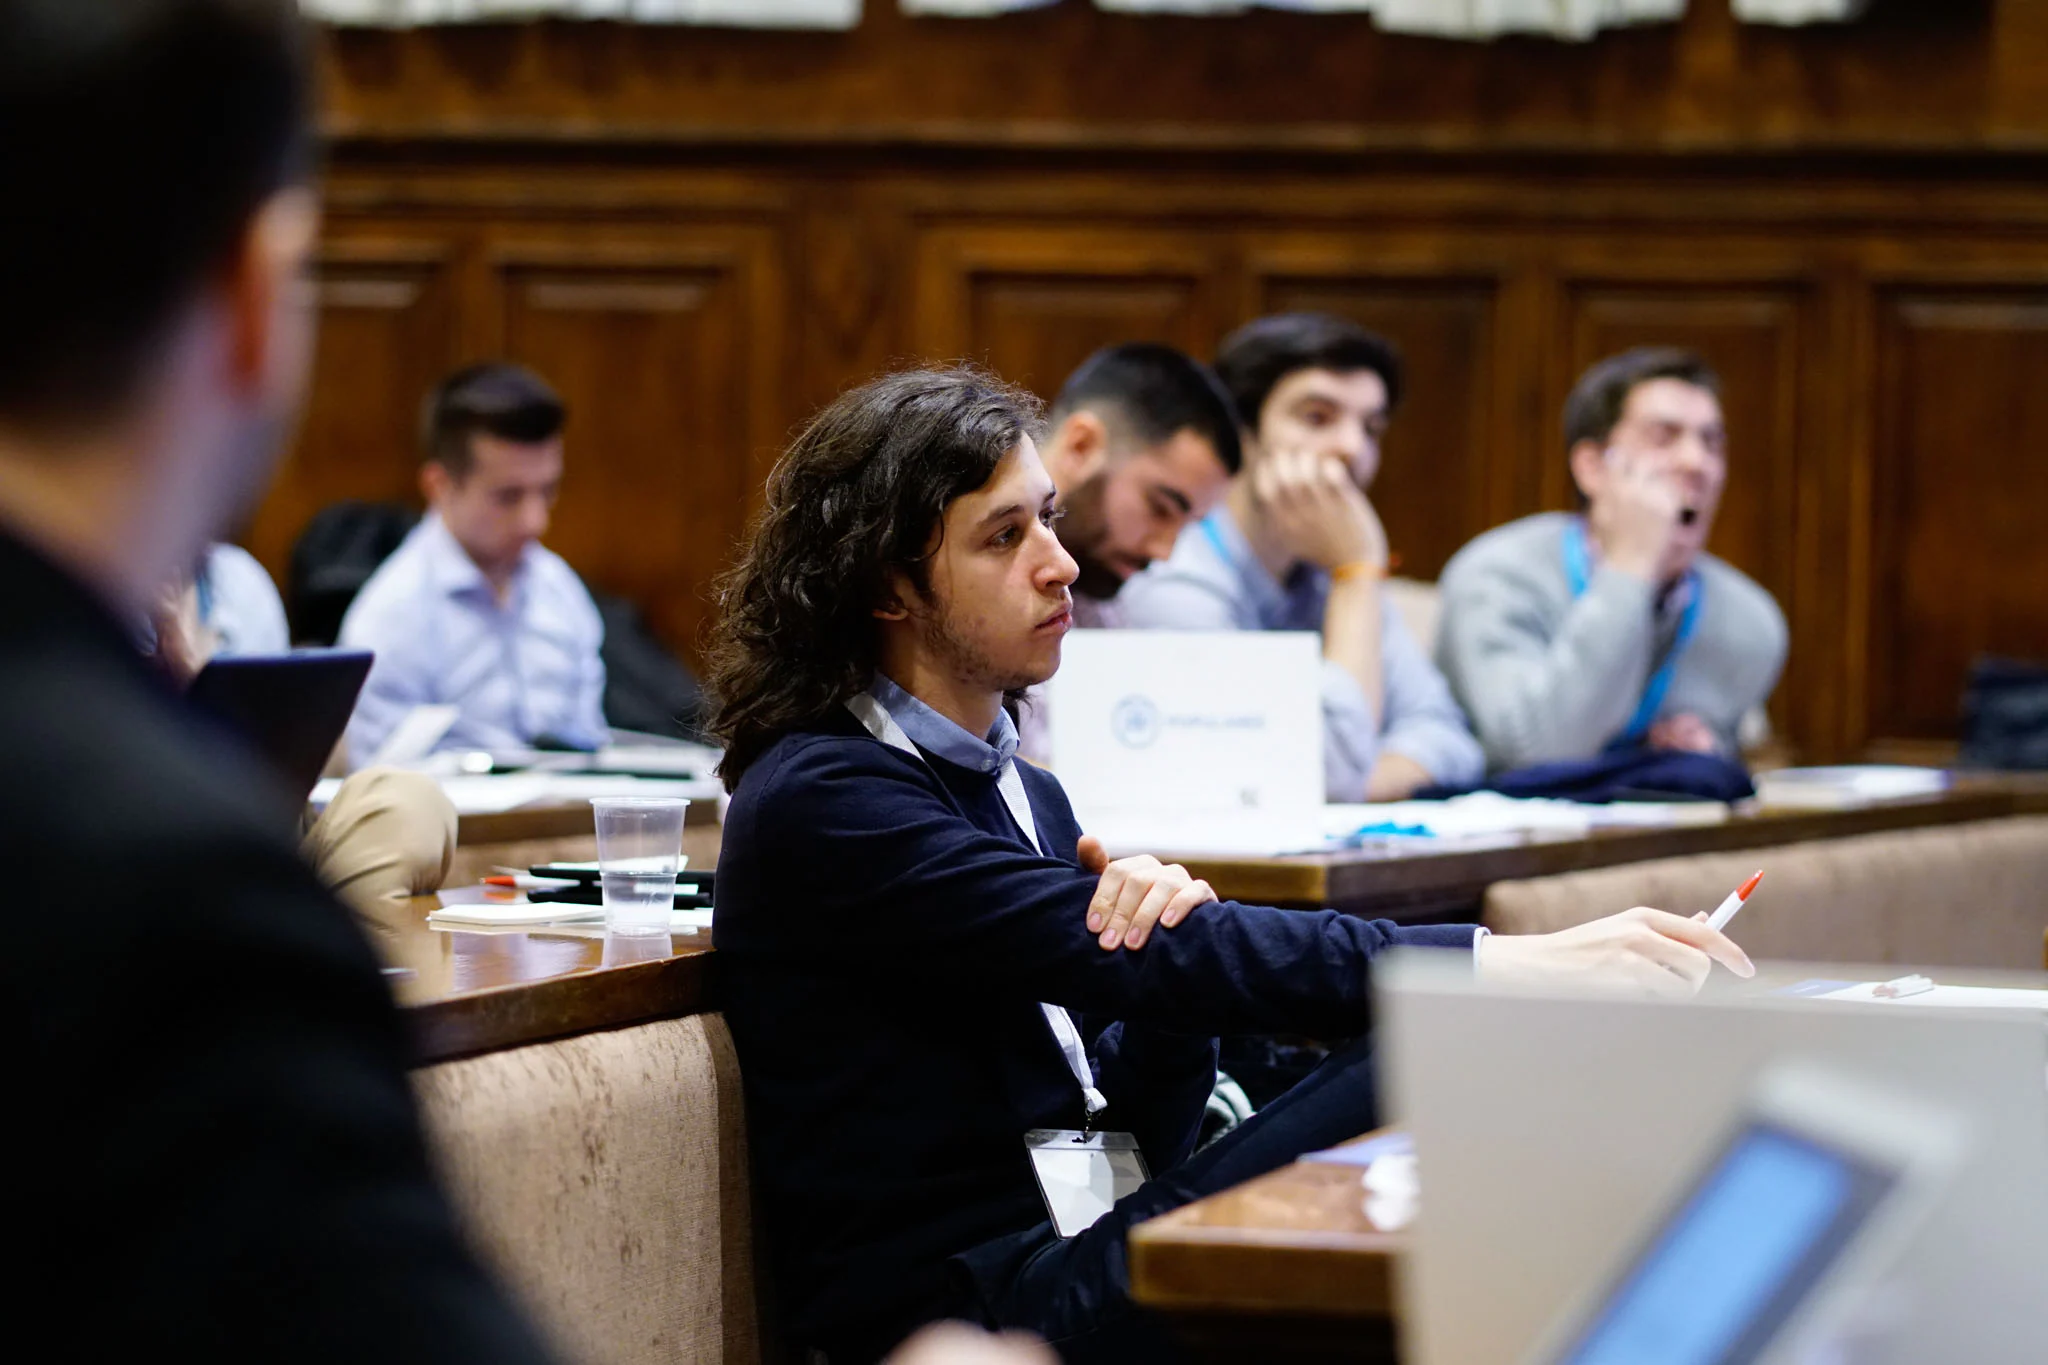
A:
[1249,450]
[1589,468]
[436,482]
[263,284]
[1078,451]
[895,604]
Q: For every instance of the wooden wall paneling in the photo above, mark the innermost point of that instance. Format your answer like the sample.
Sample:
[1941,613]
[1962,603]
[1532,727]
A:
[1756,336]
[669,352]
[1832,591]
[1032,301]
[1531,366]
[387,330]
[1916,73]
[852,269]
[1959,557]
[1435,487]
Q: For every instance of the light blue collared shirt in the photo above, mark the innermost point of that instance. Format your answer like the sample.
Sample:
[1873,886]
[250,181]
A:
[935,734]
[1214,581]
[516,671]
[240,605]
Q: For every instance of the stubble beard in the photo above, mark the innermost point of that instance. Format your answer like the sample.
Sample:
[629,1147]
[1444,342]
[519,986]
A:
[966,660]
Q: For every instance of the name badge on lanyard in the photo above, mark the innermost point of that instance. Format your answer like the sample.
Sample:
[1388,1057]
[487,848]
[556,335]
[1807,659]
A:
[1578,569]
[1080,1174]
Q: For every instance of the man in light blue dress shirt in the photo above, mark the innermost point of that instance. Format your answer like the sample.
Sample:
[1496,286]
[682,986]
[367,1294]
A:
[1296,545]
[471,611]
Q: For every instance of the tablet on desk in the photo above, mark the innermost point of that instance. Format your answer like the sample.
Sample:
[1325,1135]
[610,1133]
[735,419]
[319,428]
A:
[1780,1238]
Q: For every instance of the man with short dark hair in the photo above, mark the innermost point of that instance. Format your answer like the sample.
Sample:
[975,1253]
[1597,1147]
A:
[471,611]
[1141,441]
[910,924]
[215,1151]
[1296,545]
[1566,634]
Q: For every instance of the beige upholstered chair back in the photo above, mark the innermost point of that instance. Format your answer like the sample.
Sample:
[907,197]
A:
[1971,895]
[605,1178]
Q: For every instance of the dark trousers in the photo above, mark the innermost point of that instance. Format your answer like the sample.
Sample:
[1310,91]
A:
[1076,1292]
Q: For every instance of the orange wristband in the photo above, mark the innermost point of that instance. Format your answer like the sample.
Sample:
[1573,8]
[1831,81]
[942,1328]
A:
[1357,568]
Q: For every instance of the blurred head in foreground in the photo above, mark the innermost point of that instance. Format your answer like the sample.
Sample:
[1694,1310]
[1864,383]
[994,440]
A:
[154,160]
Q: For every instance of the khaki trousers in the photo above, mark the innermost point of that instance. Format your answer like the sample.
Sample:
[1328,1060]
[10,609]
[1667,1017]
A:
[386,835]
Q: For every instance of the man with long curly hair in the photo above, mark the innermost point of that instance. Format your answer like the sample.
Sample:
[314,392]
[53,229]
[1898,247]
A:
[910,922]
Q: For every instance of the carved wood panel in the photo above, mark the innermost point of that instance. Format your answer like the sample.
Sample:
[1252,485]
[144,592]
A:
[667,353]
[1959,560]
[1031,303]
[387,330]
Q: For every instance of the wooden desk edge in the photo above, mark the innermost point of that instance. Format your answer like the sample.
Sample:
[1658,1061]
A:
[527,1012]
[1298,1274]
[1375,887]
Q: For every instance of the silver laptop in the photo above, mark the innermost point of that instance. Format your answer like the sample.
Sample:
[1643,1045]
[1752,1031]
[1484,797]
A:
[1556,1137]
[1189,722]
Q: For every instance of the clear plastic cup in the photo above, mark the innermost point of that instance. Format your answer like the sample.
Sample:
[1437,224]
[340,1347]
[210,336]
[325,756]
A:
[639,852]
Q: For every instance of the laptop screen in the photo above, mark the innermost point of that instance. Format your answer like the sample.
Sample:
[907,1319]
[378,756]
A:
[1736,1259]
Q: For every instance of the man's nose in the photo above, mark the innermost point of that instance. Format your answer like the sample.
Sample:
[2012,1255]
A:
[1159,542]
[1057,569]
[1351,443]
[1690,455]
[533,522]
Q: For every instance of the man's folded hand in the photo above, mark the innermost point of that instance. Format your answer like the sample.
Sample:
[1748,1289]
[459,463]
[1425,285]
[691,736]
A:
[1136,893]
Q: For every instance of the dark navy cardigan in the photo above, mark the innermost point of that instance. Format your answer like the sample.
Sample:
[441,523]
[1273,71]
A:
[884,936]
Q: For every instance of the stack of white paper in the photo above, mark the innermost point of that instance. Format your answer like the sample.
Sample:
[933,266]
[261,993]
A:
[1947,997]
[1848,785]
[1464,819]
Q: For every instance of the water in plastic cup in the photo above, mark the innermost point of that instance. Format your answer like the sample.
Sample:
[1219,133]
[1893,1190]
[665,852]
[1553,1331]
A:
[639,852]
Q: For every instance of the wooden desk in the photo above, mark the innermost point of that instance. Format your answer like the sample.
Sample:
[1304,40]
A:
[471,991]
[1288,1264]
[1415,882]
[477,991]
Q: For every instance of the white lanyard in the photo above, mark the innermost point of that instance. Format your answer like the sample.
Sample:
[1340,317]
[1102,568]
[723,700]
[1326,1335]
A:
[878,722]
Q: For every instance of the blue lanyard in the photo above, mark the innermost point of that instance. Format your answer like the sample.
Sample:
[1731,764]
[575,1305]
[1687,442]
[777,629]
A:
[1216,542]
[202,584]
[1579,569]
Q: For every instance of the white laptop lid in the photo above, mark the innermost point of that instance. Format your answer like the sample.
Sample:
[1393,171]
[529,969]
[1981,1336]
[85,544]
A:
[1210,721]
[1549,1130]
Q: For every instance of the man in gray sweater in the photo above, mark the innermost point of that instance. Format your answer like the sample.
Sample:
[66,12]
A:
[1566,634]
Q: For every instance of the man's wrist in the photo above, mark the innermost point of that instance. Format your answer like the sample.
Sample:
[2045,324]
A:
[1352,570]
[1640,566]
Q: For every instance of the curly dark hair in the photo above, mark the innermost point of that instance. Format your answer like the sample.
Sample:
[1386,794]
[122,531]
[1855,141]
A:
[860,493]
